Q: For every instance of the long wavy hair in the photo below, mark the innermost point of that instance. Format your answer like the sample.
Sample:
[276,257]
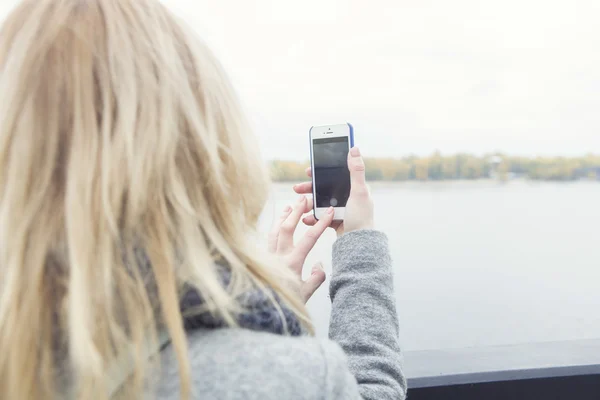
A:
[119,134]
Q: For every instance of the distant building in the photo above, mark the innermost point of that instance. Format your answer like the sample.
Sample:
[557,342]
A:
[494,162]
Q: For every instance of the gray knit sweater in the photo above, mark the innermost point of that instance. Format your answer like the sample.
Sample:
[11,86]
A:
[361,360]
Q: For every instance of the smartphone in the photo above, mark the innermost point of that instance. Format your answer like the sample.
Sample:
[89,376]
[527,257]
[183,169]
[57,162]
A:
[329,147]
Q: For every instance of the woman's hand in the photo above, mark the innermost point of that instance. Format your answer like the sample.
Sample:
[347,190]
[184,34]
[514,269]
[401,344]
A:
[281,242]
[359,208]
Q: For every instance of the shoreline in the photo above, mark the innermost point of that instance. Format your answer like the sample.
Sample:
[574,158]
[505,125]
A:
[486,181]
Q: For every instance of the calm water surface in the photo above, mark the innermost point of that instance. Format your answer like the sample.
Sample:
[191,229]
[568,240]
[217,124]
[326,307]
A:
[482,263]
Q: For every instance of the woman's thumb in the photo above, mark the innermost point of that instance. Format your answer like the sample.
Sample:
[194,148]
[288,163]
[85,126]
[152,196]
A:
[314,281]
[356,165]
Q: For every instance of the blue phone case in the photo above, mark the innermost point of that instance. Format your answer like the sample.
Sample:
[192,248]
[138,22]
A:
[311,157]
[351,134]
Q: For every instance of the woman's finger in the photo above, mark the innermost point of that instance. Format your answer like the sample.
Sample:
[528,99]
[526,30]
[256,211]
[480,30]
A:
[309,172]
[274,234]
[356,165]
[312,235]
[314,281]
[285,241]
[309,204]
[309,220]
[303,188]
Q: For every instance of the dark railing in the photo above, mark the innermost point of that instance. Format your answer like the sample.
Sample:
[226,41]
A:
[557,370]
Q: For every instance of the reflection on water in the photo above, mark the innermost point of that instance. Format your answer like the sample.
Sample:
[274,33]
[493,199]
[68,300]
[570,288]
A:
[481,263]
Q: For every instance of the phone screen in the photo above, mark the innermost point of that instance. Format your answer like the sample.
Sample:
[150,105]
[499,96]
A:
[331,175]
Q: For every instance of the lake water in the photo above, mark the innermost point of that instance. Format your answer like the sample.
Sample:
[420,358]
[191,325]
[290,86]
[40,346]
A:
[482,263]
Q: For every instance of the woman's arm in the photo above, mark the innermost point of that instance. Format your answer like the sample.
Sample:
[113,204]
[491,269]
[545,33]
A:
[364,321]
[363,317]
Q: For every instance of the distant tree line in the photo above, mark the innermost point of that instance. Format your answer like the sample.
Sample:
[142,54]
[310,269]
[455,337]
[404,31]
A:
[437,167]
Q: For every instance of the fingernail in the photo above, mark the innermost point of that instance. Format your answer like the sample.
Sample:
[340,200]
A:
[287,209]
[355,152]
[330,210]
[301,199]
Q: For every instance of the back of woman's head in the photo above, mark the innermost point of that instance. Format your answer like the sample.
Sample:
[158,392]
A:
[119,136]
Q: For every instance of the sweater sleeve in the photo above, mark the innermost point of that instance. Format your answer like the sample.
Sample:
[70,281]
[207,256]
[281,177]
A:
[364,321]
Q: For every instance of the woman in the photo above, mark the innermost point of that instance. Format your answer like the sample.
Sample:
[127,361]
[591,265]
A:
[129,193]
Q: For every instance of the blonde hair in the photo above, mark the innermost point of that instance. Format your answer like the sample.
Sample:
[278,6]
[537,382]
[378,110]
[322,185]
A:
[119,133]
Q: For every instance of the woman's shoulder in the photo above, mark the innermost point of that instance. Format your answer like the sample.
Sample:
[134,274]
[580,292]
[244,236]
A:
[245,364]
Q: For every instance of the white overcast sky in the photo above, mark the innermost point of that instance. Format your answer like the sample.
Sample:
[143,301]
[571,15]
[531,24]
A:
[521,76]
